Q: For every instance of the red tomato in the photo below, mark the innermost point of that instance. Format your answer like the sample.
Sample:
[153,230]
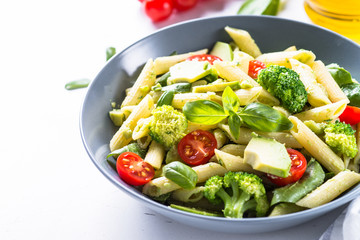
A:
[197,147]
[182,5]
[204,57]
[298,167]
[351,115]
[133,169]
[158,10]
[254,68]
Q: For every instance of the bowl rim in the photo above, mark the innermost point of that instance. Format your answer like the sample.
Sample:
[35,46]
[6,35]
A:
[342,200]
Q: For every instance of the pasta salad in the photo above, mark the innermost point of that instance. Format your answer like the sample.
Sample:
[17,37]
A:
[234,132]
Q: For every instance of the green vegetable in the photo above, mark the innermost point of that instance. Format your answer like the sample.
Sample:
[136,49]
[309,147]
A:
[195,210]
[340,75]
[163,79]
[264,118]
[241,193]
[178,87]
[110,51]
[285,84]
[166,98]
[352,91]
[285,208]
[313,177]
[341,138]
[257,116]
[167,126]
[181,174]
[81,83]
[132,147]
[259,7]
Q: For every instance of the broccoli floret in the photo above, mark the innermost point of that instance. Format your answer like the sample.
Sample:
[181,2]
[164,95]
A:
[341,138]
[240,192]
[285,85]
[167,126]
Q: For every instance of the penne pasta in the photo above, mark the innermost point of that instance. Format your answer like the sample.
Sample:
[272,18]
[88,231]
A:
[180,99]
[155,155]
[188,195]
[282,58]
[244,41]
[248,95]
[163,64]
[242,59]
[123,136]
[141,86]
[324,77]
[330,189]
[315,146]
[323,113]
[232,162]
[317,96]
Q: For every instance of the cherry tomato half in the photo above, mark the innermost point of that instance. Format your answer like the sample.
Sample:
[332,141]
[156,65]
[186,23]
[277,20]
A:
[133,169]
[158,10]
[298,167]
[204,57]
[197,147]
[351,115]
[254,68]
[182,5]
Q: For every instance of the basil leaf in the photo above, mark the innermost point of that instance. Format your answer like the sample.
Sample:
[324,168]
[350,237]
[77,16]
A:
[259,7]
[165,98]
[230,100]
[313,177]
[264,118]
[110,51]
[204,112]
[340,75]
[234,122]
[81,83]
[352,91]
[181,174]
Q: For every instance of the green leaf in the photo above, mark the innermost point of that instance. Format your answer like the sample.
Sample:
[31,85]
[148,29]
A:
[264,118]
[340,75]
[81,83]
[178,87]
[181,174]
[165,98]
[259,7]
[313,177]
[234,122]
[230,100]
[110,51]
[204,112]
[352,91]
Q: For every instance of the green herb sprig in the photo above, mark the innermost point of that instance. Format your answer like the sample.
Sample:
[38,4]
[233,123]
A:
[256,116]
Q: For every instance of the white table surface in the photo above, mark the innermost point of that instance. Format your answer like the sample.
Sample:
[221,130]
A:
[49,188]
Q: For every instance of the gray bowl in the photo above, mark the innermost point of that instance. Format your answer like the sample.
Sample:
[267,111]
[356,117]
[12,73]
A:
[270,33]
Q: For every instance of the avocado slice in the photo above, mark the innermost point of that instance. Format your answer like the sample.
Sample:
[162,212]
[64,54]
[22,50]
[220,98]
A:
[216,87]
[188,71]
[223,51]
[268,155]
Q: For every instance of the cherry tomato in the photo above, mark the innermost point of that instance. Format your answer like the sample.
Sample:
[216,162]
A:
[133,169]
[254,68]
[298,167]
[197,147]
[351,115]
[203,57]
[158,10]
[182,5]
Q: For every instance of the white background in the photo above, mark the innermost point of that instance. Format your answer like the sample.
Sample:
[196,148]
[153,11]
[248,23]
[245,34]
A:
[49,188]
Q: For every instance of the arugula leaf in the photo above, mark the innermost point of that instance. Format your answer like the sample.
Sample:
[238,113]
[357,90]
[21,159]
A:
[181,174]
[264,118]
[110,51]
[230,100]
[204,112]
[259,7]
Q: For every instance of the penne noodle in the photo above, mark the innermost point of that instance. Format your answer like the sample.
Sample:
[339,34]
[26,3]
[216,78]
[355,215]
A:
[232,162]
[330,189]
[323,113]
[142,85]
[123,136]
[324,77]
[315,146]
[244,41]
[282,58]
[180,99]
[163,64]
[242,59]
[188,195]
[155,155]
